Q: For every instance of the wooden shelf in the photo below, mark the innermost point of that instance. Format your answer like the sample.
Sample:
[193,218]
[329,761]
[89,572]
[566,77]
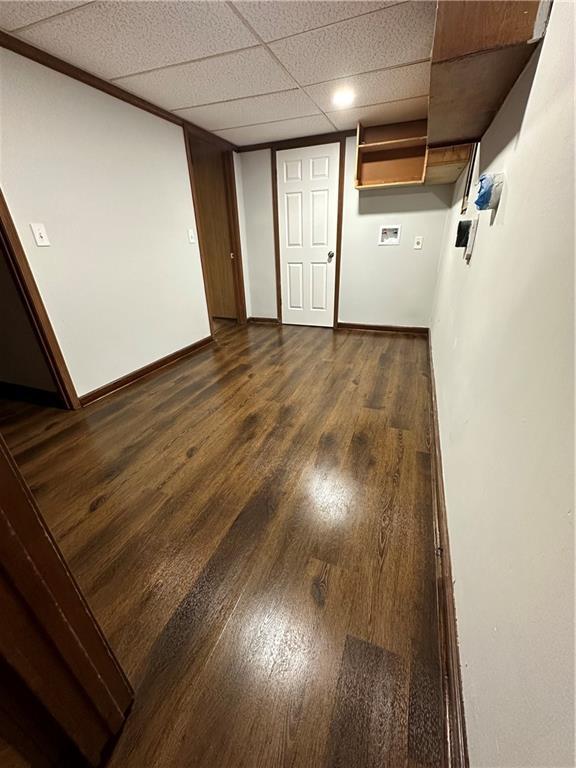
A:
[391,155]
[445,164]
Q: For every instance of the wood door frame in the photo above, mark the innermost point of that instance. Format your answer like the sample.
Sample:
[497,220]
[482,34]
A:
[312,141]
[26,285]
[50,642]
[234,227]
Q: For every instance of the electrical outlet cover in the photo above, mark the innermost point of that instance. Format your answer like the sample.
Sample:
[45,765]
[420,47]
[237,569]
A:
[40,234]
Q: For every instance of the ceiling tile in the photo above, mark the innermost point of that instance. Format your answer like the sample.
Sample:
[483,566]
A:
[397,35]
[376,87]
[234,75]
[18,13]
[391,112]
[256,109]
[114,38]
[277,131]
[273,19]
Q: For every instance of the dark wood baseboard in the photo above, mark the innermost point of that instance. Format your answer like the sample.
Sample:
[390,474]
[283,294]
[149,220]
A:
[10,391]
[264,320]
[411,330]
[130,378]
[455,726]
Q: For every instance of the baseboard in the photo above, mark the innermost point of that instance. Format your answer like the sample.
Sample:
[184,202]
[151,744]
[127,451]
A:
[9,391]
[407,329]
[130,378]
[455,726]
[264,320]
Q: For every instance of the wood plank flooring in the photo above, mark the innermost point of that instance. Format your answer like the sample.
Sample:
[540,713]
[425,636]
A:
[253,529]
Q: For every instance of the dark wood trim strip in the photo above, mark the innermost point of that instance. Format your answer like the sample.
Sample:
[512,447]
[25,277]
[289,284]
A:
[238,271]
[53,62]
[276,234]
[264,320]
[146,370]
[304,141]
[407,329]
[20,268]
[454,720]
[199,228]
[341,172]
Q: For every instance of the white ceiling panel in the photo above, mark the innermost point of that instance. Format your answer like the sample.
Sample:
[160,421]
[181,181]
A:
[114,38]
[273,19]
[255,109]
[277,131]
[400,34]
[243,73]
[391,112]
[18,13]
[376,87]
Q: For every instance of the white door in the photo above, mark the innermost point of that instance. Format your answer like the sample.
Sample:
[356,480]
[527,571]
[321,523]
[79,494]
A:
[308,213]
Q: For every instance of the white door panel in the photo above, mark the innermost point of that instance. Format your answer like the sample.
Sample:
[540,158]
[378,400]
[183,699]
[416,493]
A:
[308,214]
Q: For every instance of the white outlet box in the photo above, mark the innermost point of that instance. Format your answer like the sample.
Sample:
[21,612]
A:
[418,242]
[40,234]
[191,236]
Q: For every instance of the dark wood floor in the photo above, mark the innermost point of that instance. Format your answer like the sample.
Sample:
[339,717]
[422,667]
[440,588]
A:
[253,528]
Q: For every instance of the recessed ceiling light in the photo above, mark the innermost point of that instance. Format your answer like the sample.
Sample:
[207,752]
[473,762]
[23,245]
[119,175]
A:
[343,97]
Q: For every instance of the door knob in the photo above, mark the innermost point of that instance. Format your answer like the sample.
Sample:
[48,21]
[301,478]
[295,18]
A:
[330,255]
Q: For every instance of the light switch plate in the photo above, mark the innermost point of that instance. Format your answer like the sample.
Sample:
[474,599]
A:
[418,241]
[40,234]
[191,236]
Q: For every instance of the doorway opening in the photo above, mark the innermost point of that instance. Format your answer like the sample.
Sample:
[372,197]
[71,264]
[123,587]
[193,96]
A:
[214,191]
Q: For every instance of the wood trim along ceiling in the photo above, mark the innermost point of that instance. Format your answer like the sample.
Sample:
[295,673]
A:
[454,719]
[304,141]
[406,329]
[26,284]
[59,65]
[146,370]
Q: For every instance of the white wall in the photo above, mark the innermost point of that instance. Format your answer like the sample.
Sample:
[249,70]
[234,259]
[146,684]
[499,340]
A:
[503,348]
[121,284]
[389,285]
[254,186]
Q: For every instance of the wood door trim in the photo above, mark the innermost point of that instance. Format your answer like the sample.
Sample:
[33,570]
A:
[304,141]
[341,172]
[146,370]
[26,285]
[339,219]
[199,227]
[277,265]
[454,719]
[53,633]
[406,329]
[70,70]
[234,225]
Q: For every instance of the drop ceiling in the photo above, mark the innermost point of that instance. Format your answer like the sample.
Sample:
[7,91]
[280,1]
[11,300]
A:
[250,71]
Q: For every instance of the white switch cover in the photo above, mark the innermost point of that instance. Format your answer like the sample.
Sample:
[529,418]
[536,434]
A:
[418,240]
[40,234]
[191,236]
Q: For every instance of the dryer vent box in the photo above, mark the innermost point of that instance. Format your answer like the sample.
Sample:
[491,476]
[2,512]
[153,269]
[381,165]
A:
[389,235]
